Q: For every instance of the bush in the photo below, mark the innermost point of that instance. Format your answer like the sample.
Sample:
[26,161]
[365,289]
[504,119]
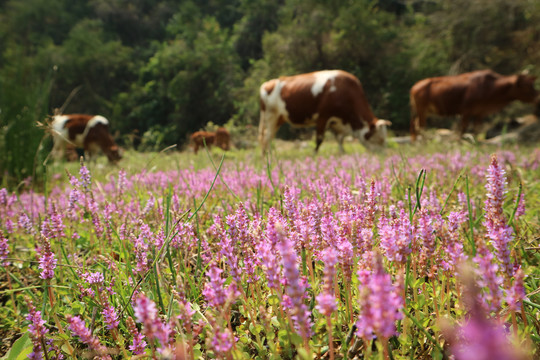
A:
[22,105]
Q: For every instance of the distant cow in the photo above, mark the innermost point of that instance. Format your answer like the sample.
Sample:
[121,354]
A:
[331,99]
[223,138]
[472,95]
[220,138]
[88,132]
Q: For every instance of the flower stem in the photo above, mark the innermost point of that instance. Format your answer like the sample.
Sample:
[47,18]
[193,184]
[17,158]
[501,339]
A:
[330,337]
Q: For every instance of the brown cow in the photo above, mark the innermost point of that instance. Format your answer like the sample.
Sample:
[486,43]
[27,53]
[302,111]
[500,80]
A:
[223,138]
[331,99]
[220,138]
[472,95]
[89,132]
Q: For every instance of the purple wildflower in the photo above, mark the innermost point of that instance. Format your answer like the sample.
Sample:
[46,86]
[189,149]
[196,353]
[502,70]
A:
[295,289]
[47,262]
[326,302]
[500,234]
[93,278]
[86,178]
[488,279]
[37,331]
[3,197]
[74,194]
[380,303]
[154,328]
[214,290]
[53,226]
[138,345]
[452,242]
[425,236]
[521,207]
[221,342]
[371,204]
[149,204]
[122,182]
[4,249]
[516,293]
[26,224]
[78,327]
[478,337]
[110,317]
[271,264]
[396,236]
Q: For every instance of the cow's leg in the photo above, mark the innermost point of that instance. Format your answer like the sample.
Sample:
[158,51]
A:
[262,131]
[321,128]
[418,122]
[90,151]
[464,124]
[268,127]
[58,148]
[340,138]
[414,127]
[477,122]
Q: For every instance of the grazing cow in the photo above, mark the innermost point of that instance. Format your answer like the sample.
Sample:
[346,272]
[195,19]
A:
[89,132]
[220,138]
[200,138]
[223,138]
[331,99]
[472,95]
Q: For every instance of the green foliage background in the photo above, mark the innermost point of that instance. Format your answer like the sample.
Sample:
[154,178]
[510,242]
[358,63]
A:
[166,68]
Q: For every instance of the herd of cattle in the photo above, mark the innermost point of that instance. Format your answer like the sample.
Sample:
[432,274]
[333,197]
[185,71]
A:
[327,100]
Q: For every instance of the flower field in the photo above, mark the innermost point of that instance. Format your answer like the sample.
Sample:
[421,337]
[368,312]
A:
[358,256]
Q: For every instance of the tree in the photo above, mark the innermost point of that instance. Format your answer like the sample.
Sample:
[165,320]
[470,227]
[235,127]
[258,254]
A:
[188,81]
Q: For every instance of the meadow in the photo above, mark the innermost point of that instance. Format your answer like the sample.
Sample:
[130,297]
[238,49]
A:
[418,252]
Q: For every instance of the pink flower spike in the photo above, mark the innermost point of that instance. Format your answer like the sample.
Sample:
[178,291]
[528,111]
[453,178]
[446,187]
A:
[380,303]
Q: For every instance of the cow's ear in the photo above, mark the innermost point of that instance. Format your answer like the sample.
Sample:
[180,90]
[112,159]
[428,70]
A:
[384,122]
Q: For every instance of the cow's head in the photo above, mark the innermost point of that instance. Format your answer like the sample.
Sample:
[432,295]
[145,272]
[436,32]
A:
[524,87]
[113,154]
[376,136]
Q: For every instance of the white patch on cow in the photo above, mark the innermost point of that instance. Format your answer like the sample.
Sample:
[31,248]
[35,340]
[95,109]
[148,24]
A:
[274,108]
[360,134]
[58,126]
[273,101]
[98,119]
[321,78]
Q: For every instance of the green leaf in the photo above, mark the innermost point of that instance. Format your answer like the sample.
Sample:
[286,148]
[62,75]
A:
[283,335]
[255,329]
[418,282]
[303,354]
[296,339]
[20,349]
[273,300]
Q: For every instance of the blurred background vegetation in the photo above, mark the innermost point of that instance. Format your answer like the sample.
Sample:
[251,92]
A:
[160,70]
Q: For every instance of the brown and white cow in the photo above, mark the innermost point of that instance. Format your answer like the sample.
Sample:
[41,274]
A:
[330,99]
[472,95]
[220,138]
[88,132]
